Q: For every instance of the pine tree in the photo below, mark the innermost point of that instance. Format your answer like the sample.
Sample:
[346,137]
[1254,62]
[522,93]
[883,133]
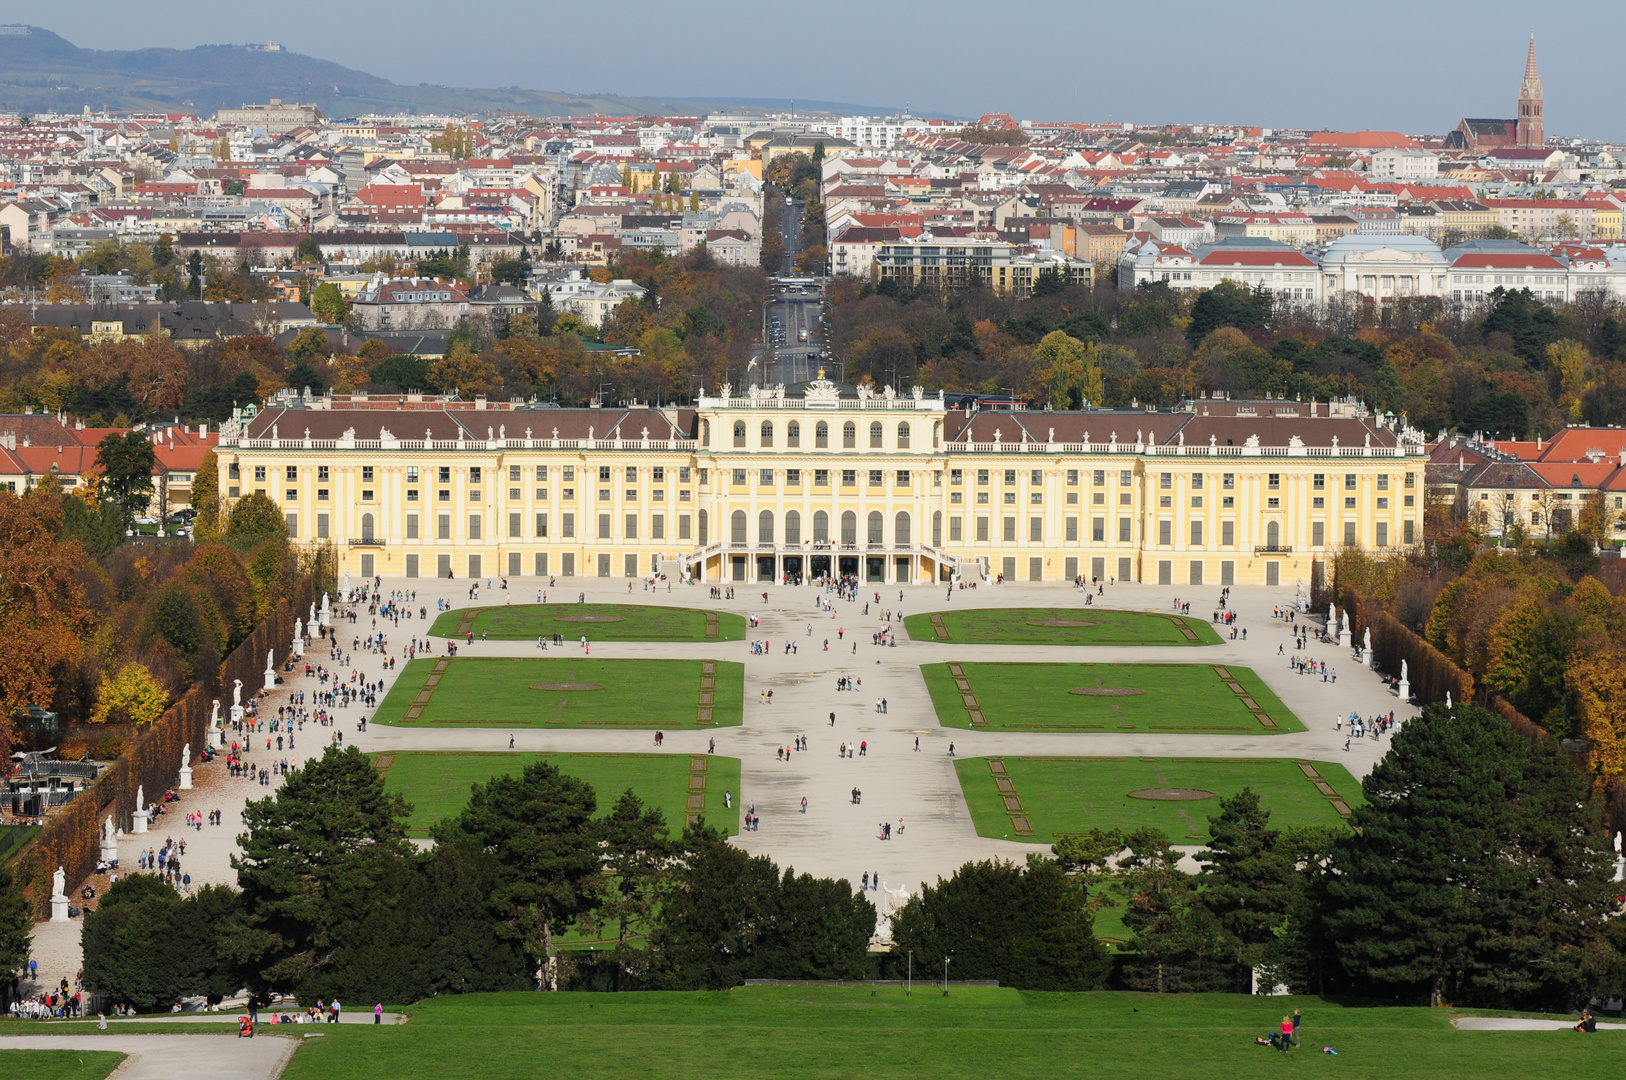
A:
[638,858]
[1478,872]
[314,862]
[1178,944]
[1248,880]
[16,924]
[538,827]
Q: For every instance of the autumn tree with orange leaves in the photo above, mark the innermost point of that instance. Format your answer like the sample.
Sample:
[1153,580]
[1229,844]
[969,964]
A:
[42,610]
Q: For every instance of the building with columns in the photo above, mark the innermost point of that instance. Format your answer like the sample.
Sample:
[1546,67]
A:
[820,479]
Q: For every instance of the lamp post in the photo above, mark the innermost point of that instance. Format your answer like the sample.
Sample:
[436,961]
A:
[945,976]
[909,986]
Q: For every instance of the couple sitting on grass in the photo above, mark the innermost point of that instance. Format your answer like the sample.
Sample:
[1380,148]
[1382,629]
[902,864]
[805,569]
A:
[1285,1039]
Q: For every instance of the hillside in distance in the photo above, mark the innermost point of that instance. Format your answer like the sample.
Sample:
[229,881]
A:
[42,72]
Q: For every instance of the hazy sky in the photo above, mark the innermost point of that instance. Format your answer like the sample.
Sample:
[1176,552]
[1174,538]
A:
[1416,66]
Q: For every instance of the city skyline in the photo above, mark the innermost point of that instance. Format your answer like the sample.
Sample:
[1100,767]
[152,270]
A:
[1094,65]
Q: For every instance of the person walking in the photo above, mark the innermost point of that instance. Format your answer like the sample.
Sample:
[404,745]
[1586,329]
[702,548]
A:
[804,804]
[378,1013]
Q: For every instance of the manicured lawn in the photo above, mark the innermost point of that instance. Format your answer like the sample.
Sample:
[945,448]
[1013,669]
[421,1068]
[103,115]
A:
[1123,697]
[437,784]
[1078,626]
[600,622]
[800,1033]
[497,692]
[1072,795]
[58,1064]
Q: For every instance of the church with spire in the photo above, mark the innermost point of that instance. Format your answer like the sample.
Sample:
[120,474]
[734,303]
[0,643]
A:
[1526,131]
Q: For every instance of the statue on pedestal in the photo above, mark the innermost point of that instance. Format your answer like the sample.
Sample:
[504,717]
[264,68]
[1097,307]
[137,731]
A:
[59,896]
[186,756]
[236,693]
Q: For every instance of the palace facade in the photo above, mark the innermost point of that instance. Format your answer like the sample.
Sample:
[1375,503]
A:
[820,479]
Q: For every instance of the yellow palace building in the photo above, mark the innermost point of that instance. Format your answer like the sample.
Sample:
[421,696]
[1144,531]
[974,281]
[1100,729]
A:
[820,479]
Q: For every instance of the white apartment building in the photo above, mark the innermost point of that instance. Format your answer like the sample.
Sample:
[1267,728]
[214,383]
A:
[1397,164]
[881,132]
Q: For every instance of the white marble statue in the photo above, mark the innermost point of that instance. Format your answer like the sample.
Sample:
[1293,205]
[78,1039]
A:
[1366,640]
[1620,861]
[1345,624]
[236,693]
[1403,675]
[141,800]
[270,660]
[214,715]
[1332,617]
[59,883]
[186,756]
[1448,699]
[312,620]
[107,828]
[299,629]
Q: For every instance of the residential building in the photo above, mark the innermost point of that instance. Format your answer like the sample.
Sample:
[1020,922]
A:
[410,304]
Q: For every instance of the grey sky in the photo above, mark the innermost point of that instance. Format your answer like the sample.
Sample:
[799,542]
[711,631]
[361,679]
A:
[1416,66]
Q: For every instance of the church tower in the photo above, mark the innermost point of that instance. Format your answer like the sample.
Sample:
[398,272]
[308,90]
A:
[1530,131]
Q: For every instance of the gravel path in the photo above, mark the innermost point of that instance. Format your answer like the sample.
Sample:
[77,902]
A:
[1516,1023]
[164,1057]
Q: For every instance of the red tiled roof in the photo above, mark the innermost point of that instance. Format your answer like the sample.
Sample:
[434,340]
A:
[1223,257]
[1489,261]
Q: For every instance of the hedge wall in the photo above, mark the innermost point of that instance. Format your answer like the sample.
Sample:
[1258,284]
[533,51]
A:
[1431,672]
[71,837]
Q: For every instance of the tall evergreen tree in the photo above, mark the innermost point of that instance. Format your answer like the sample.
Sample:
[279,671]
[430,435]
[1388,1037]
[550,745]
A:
[1027,926]
[1249,879]
[711,924]
[538,827]
[1179,946]
[16,925]
[638,863]
[318,858]
[1478,872]
[731,916]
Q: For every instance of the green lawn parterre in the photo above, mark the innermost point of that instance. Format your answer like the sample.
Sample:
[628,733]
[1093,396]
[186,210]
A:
[1171,698]
[825,1033]
[1102,626]
[58,1064]
[600,622]
[497,692]
[436,784]
[1073,795]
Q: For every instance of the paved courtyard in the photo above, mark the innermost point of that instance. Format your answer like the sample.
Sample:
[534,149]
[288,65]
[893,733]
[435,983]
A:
[899,784]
